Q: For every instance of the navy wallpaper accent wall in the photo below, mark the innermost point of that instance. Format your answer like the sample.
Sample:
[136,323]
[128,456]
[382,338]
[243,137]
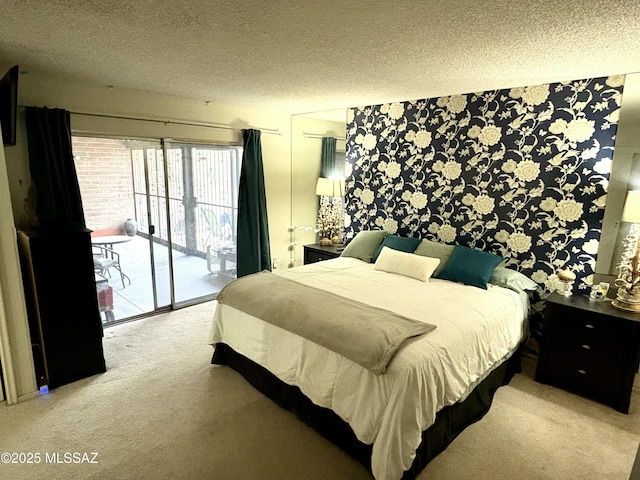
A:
[520,172]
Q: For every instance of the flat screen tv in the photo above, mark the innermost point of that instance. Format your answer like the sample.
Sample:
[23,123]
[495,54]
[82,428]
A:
[9,105]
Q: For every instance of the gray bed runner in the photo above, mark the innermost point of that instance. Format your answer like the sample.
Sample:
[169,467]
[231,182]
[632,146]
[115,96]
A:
[367,335]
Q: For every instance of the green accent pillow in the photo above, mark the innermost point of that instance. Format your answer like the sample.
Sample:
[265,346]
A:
[516,281]
[469,266]
[429,248]
[404,244]
[364,245]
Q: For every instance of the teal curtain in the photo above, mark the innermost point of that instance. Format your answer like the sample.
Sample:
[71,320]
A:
[328,157]
[254,253]
[53,173]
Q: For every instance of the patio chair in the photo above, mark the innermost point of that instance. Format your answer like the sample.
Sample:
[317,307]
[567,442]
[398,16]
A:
[214,233]
[222,247]
[220,232]
[104,259]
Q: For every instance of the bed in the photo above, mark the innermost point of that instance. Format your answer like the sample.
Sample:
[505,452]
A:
[434,386]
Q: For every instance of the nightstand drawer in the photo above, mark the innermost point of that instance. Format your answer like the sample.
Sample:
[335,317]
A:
[314,256]
[596,335]
[318,253]
[587,367]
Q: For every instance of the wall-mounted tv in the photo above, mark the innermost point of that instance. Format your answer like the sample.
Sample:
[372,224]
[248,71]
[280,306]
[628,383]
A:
[9,105]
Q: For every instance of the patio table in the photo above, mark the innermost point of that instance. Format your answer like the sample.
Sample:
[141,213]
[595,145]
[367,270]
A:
[107,242]
[110,240]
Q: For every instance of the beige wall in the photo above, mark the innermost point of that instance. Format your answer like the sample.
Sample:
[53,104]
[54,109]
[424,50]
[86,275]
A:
[172,111]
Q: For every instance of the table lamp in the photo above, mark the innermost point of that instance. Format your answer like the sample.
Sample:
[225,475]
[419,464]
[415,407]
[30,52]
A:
[628,296]
[329,213]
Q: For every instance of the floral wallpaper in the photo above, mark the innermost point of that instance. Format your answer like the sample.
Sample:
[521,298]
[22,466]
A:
[520,172]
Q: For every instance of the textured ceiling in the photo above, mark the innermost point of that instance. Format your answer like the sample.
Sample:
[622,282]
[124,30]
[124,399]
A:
[298,57]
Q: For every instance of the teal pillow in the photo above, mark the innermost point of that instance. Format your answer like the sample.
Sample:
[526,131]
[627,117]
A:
[469,266]
[513,280]
[364,245]
[403,244]
[429,248]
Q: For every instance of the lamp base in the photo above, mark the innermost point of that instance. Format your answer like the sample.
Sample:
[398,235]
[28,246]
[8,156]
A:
[325,241]
[629,302]
[633,307]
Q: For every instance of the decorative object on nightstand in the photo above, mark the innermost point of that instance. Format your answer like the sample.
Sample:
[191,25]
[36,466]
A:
[590,348]
[330,214]
[566,277]
[628,297]
[317,253]
[599,291]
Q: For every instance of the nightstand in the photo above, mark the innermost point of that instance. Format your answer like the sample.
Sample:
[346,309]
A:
[591,348]
[317,253]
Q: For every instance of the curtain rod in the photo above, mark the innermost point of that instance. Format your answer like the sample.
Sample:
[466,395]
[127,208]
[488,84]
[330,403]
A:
[271,131]
[320,136]
[87,133]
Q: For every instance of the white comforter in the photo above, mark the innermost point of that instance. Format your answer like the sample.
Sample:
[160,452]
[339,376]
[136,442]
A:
[476,330]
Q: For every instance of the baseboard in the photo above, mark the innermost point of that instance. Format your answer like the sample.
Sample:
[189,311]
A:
[28,396]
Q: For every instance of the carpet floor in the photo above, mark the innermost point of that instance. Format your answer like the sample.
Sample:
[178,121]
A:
[162,411]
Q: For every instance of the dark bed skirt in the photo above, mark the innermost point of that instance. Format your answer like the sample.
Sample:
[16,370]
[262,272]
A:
[450,421]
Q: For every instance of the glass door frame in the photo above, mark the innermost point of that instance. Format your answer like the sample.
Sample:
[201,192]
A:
[150,165]
[152,230]
[190,189]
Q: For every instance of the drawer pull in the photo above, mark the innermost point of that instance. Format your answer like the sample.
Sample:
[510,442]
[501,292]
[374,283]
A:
[582,372]
[589,326]
[586,347]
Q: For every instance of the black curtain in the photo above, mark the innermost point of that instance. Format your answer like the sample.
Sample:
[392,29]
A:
[253,230]
[328,157]
[53,173]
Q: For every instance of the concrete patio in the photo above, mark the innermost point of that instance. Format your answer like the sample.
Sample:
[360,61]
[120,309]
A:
[193,280]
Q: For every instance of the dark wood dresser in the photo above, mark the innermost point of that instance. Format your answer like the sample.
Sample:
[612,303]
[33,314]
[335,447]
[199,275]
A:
[62,305]
[591,348]
[317,253]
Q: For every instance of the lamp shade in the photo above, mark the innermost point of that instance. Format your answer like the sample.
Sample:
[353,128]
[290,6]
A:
[330,188]
[631,212]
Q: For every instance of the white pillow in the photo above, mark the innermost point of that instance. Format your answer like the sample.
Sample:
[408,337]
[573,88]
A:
[407,264]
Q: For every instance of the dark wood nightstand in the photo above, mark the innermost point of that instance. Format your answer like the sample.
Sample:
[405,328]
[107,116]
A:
[317,253]
[591,348]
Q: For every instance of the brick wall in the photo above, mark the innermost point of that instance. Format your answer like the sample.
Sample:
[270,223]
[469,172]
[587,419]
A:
[103,167]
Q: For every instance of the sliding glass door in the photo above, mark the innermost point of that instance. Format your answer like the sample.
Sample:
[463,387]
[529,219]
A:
[202,192]
[166,212]
[121,183]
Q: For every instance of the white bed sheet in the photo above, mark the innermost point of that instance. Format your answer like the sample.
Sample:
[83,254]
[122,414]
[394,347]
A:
[476,330]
